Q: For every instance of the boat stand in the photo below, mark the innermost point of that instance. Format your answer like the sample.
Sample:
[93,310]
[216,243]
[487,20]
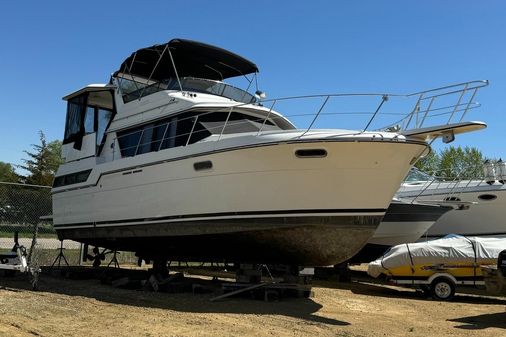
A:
[114,260]
[59,257]
[293,282]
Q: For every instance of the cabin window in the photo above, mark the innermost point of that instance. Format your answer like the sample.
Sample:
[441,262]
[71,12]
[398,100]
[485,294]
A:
[104,117]
[89,120]
[129,141]
[76,108]
[70,179]
[187,128]
[132,90]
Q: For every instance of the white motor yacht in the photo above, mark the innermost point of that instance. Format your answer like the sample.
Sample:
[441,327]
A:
[169,161]
[486,199]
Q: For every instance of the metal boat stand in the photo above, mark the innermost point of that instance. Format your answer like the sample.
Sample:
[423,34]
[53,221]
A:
[60,257]
[292,282]
[114,260]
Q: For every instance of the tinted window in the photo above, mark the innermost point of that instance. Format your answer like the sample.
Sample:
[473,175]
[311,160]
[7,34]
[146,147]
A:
[73,123]
[89,120]
[104,117]
[128,142]
[187,128]
[73,178]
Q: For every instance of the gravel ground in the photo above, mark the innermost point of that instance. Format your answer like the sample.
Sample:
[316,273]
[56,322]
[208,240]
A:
[66,307]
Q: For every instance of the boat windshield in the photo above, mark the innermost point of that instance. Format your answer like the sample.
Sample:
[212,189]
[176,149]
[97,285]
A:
[132,90]
[417,175]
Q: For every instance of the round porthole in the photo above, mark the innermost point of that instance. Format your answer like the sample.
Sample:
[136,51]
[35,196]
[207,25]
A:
[487,197]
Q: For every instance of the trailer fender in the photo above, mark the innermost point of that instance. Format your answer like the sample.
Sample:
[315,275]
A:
[436,275]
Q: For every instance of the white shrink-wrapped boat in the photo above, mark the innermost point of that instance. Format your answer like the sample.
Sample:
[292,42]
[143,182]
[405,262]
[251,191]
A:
[439,265]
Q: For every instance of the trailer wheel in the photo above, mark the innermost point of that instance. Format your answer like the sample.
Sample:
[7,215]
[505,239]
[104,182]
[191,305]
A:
[442,289]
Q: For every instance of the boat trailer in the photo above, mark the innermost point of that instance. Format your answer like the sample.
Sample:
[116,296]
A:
[17,260]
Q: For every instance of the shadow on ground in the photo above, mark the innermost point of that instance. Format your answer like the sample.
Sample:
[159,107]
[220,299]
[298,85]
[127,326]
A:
[497,320]
[301,308]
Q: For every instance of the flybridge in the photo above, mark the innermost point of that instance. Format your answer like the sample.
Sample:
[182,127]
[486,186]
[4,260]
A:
[186,66]
[185,58]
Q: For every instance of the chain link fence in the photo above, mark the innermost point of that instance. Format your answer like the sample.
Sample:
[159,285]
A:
[25,208]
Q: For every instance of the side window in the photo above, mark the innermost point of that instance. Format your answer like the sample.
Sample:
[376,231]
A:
[89,120]
[128,142]
[104,117]
[76,107]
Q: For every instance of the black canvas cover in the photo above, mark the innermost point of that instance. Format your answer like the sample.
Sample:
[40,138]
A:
[191,58]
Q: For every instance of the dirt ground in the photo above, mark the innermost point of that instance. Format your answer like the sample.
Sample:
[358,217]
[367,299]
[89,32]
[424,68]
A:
[64,307]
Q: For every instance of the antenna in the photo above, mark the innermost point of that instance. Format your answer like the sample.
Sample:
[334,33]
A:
[175,70]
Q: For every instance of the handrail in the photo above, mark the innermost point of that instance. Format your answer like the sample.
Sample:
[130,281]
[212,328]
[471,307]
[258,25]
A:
[454,186]
[427,106]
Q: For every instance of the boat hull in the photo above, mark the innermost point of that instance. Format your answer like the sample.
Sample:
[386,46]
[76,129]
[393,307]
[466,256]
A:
[259,204]
[309,240]
[403,223]
[483,218]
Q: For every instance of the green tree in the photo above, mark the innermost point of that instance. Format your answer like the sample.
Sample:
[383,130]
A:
[429,164]
[454,163]
[42,162]
[7,173]
[461,163]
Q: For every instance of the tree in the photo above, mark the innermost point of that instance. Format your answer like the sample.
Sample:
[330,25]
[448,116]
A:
[429,164]
[463,163]
[7,173]
[43,162]
[454,163]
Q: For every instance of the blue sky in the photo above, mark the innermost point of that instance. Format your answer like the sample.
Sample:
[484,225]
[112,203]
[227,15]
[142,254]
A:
[49,49]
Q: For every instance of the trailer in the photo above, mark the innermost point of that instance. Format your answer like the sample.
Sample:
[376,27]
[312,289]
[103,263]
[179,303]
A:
[438,267]
[16,260]
[495,276]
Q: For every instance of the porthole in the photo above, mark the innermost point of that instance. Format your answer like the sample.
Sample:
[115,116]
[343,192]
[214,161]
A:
[311,153]
[203,165]
[487,197]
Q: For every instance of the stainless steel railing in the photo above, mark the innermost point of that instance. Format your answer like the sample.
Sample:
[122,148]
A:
[446,188]
[452,101]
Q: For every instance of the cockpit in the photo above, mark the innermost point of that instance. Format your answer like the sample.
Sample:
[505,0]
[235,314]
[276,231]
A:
[89,113]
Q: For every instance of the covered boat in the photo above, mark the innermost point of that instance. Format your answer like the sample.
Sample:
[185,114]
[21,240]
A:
[452,260]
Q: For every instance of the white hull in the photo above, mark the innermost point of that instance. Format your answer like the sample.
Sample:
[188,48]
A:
[255,179]
[265,181]
[486,218]
[391,233]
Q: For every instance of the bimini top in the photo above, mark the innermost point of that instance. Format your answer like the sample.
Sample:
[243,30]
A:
[191,59]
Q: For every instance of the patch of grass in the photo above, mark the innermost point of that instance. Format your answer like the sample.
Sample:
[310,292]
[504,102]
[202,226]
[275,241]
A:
[26,234]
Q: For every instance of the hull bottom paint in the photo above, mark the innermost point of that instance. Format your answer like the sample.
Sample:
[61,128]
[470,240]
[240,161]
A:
[303,241]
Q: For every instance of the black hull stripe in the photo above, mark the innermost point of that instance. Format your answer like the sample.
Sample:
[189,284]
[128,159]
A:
[246,213]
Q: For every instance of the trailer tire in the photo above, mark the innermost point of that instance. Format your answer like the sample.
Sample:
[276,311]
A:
[442,289]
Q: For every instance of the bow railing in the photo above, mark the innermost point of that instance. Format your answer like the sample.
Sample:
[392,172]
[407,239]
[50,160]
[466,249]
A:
[368,111]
